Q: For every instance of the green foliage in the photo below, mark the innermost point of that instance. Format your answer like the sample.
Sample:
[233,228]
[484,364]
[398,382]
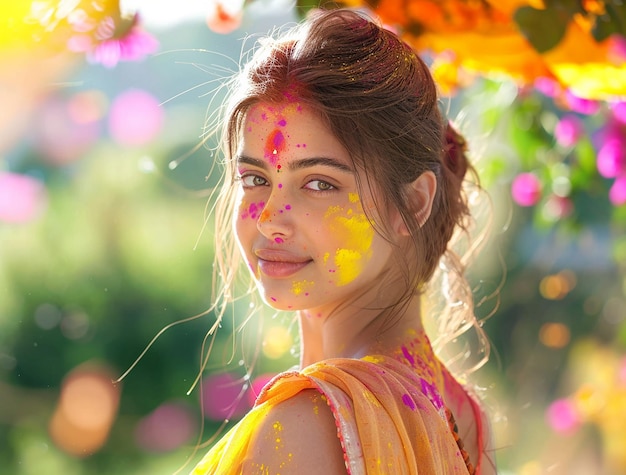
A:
[544,29]
[612,22]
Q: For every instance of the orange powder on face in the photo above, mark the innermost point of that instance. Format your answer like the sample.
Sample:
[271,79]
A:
[357,233]
[274,146]
[264,216]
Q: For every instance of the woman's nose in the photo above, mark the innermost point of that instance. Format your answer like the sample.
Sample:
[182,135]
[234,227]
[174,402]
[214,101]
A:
[275,221]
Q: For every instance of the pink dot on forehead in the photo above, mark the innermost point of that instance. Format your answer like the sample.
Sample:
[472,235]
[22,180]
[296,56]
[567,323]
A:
[282,122]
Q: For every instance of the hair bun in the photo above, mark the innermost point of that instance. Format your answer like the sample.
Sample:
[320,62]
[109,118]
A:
[455,149]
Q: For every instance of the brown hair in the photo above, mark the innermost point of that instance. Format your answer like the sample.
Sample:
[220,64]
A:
[380,101]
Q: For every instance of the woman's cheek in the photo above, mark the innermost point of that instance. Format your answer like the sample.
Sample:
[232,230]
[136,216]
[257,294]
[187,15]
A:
[353,235]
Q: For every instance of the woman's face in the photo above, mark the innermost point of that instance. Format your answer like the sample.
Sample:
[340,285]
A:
[299,218]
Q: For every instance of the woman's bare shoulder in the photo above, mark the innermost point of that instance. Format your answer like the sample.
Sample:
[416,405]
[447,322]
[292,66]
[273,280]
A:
[297,436]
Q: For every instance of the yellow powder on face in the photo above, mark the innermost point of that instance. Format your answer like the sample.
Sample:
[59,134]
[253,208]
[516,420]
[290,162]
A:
[353,197]
[349,265]
[298,287]
[357,234]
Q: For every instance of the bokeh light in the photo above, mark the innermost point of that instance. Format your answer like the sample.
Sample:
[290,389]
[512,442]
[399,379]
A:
[167,428]
[22,198]
[557,286]
[562,416]
[568,130]
[257,385]
[135,118]
[63,132]
[554,335]
[276,341]
[224,396]
[526,189]
[86,410]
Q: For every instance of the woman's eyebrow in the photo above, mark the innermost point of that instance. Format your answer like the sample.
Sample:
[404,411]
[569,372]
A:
[299,164]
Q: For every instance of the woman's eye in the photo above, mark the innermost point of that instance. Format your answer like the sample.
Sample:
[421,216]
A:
[253,180]
[319,185]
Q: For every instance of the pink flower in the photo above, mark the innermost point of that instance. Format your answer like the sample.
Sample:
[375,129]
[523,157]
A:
[526,189]
[548,87]
[568,130]
[619,112]
[224,17]
[22,198]
[611,160]
[617,193]
[132,45]
[578,104]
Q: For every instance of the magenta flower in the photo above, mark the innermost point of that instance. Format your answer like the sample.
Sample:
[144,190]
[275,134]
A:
[619,112]
[131,45]
[547,86]
[611,160]
[568,130]
[581,105]
[617,193]
[526,189]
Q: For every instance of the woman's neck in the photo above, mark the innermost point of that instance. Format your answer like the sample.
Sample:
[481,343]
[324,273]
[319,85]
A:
[356,330]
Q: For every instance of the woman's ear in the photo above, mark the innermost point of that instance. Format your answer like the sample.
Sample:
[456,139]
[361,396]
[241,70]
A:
[420,195]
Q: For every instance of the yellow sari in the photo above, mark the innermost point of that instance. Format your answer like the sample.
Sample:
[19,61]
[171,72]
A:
[389,412]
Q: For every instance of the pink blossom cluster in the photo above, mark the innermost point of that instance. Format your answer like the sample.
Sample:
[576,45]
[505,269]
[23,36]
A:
[610,142]
[109,40]
[611,159]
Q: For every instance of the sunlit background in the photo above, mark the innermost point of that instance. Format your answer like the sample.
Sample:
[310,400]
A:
[103,240]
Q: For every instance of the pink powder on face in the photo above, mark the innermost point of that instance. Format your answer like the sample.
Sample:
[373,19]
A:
[253,210]
[282,122]
[278,240]
[287,207]
[280,185]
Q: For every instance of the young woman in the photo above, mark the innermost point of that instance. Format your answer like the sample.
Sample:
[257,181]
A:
[345,186]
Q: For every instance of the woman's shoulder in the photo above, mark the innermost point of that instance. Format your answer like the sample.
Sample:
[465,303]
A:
[297,435]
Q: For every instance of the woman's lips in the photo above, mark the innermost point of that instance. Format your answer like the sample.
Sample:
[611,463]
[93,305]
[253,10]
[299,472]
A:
[280,263]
